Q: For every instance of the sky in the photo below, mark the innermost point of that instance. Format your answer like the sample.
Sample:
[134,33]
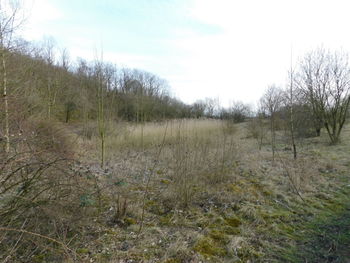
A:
[226,49]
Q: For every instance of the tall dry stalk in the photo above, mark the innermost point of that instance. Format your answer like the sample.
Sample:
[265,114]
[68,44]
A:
[100,107]
[146,191]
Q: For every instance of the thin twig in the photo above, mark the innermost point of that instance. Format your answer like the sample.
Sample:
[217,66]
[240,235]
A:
[290,178]
[66,248]
[149,180]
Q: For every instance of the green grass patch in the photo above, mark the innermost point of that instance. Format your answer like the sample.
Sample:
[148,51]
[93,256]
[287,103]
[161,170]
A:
[324,238]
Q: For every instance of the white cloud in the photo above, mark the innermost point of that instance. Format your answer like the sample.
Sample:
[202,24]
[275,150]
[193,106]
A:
[250,51]
[253,48]
[40,12]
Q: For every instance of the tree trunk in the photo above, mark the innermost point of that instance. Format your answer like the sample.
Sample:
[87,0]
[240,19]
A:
[273,139]
[101,116]
[291,113]
[4,83]
[67,116]
[318,132]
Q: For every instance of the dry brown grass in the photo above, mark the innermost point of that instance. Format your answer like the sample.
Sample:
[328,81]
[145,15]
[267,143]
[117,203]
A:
[205,176]
[210,195]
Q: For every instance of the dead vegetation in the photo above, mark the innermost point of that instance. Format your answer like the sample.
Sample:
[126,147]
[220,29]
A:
[99,163]
[193,193]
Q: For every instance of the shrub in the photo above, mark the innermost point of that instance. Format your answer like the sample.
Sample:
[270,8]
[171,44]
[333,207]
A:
[39,194]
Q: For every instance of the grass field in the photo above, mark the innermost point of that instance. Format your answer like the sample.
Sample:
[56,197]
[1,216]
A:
[201,191]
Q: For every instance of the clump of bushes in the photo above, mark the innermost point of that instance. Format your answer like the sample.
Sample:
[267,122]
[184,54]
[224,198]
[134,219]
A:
[40,210]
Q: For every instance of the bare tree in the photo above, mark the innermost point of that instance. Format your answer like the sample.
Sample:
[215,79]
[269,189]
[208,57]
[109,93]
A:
[48,49]
[239,111]
[271,102]
[65,60]
[9,23]
[198,109]
[291,107]
[212,107]
[101,110]
[324,78]
[257,128]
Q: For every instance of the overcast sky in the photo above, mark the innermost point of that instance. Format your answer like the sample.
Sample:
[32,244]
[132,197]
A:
[227,49]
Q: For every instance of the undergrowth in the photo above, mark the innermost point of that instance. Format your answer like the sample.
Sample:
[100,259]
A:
[195,194]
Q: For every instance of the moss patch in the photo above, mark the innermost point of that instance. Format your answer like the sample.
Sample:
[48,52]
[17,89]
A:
[233,221]
[207,247]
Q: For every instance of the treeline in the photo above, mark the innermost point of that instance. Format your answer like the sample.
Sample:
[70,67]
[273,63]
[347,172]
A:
[48,84]
[317,97]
